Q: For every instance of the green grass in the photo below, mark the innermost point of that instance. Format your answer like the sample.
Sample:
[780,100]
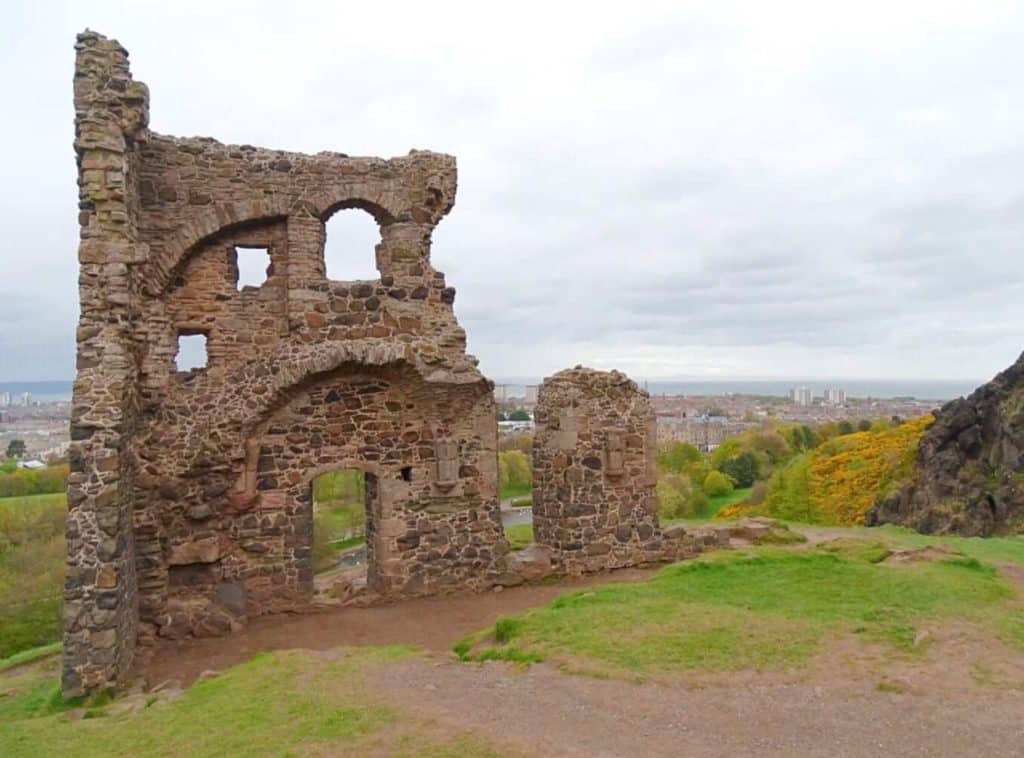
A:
[30,655]
[342,519]
[509,491]
[31,570]
[519,535]
[347,544]
[715,504]
[767,608]
[986,549]
[284,703]
[522,502]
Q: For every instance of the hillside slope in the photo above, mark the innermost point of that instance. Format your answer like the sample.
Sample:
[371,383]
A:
[838,482]
[969,472]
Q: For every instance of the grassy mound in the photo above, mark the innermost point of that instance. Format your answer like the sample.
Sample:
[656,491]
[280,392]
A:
[837,482]
[764,609]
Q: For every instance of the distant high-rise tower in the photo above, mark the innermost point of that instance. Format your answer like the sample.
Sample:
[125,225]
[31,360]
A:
[835,396]
[801,395]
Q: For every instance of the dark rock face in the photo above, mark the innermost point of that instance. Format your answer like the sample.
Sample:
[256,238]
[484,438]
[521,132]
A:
[969,477]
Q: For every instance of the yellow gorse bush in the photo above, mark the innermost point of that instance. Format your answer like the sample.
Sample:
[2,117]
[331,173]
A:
[840,480]
[845,486]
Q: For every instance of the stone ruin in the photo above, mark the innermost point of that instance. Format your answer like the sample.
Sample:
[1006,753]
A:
[190,497]
[594,471]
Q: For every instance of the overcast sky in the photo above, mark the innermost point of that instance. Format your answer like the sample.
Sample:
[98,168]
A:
[673,189]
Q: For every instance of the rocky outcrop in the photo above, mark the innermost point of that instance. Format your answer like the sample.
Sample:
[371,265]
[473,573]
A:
[969,476]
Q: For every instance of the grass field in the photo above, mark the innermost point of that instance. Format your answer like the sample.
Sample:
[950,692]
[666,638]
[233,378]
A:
[31,570]
[285,703]
[764,608]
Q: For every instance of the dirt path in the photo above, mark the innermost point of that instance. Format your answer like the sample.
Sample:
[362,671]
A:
[964,696]
[433,623]
[541,711]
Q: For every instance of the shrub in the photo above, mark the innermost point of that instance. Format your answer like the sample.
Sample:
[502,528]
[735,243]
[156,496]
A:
[678,497]
[346,486]
[31,571]
[675,457]
[840,480]
[743,469]
[515,471]
[717,484]
[44,481]
[758,493]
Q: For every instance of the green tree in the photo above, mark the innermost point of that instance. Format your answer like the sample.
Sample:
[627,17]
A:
[743,469]
[845,427]
[717,484]
[864,425]
[519,415]
[15,448]
[676,456]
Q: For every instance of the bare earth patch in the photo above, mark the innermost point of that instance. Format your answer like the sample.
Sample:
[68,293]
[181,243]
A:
[433,623]
[542,711]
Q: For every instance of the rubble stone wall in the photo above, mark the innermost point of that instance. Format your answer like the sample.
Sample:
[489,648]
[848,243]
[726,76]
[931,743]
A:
[190,494]
[594,472]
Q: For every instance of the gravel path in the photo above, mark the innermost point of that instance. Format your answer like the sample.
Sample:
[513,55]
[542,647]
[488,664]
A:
[541,711]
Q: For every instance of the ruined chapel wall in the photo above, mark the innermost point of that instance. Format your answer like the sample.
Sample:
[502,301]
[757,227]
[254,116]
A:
[100,590]
[424,535]
[594,500]
[188,473]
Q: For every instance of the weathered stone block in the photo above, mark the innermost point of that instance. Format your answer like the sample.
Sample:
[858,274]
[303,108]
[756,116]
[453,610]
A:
[200,551]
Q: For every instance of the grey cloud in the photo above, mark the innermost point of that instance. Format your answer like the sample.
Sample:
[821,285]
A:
[694,188]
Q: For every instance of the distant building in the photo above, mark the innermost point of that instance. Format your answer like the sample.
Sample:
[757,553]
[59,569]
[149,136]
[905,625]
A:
[26,399]
[835,396]
[500,393]
[801,395]
[531,395]
[5,399]
[515,427]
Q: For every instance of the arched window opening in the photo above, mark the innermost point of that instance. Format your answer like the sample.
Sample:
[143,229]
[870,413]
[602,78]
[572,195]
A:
[191,353]
[340,508]
[349,249]
[253,266]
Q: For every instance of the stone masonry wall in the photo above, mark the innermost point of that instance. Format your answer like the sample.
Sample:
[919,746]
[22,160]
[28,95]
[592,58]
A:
[190,495]
[594,472]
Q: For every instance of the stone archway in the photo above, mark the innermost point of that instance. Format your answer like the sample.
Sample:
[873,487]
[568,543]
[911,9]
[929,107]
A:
[427,528]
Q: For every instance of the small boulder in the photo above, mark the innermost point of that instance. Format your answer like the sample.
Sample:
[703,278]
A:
[674,532]
[531,563]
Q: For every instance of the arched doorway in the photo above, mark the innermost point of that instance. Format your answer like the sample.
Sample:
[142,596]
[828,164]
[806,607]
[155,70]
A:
[428,460]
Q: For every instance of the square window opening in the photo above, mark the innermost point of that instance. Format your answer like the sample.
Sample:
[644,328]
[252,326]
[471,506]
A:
[191,352]
[253,265]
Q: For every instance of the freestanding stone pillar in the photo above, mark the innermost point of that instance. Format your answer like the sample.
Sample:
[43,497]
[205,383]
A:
[594,500]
